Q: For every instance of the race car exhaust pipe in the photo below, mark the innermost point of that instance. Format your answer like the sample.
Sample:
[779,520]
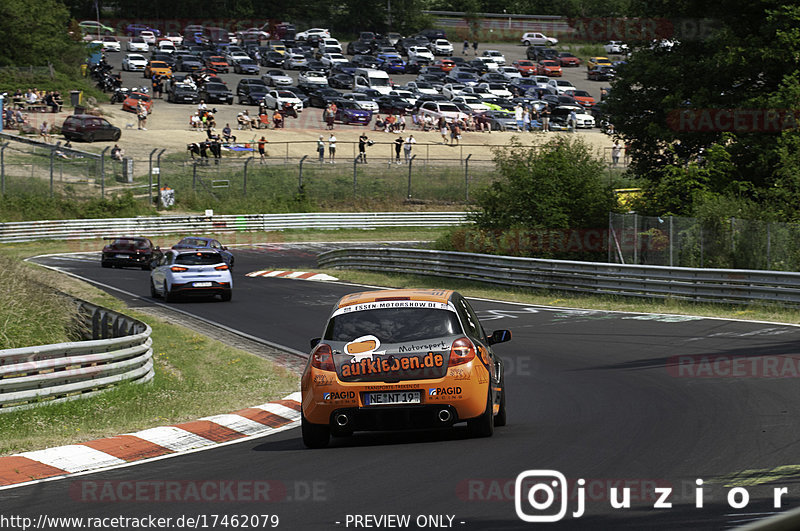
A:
[445,415]
[342,420]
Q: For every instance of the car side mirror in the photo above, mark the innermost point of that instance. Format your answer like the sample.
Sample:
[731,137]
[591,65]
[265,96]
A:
[314,342]
[224,248]
[499,336]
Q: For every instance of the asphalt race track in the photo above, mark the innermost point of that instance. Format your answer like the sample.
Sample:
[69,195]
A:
[619,400]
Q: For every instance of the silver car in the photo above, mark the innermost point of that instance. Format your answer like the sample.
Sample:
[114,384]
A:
[191,273]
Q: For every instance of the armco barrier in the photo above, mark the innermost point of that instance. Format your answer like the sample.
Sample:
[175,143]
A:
[119,350]
[733,286]
[77,229]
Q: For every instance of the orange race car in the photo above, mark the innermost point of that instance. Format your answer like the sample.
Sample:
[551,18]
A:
[396,359]
[157,68]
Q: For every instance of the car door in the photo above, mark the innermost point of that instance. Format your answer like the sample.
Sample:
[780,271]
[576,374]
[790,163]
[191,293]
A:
[158,274]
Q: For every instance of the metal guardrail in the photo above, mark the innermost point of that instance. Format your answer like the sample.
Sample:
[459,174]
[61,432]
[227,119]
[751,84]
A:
[119,350]
[97,228]
[731,286]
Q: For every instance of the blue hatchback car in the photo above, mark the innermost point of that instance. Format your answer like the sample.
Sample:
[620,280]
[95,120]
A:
[348,112]
[200,242]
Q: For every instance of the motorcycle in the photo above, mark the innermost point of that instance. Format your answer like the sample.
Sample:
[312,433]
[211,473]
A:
[120,95]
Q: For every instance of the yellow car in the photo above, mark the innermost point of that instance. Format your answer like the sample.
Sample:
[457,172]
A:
[157,68]
[594,62]
[393,359]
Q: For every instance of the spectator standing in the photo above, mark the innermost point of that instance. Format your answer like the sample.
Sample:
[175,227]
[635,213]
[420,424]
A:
[475,46]
[518,116]
[466,47]
[573,121]
[398,146]
[141,114]
[443,129]
[362,147]
[546,119]
[321,149]
[526,120]
[262,149]
[615,151]
[409,143]
[332,148]
[455,134]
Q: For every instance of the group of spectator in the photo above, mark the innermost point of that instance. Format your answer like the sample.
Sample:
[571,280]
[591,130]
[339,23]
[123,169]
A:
[50,98]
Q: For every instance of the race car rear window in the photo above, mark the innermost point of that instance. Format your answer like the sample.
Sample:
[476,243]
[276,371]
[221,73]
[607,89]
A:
[394,325]
[198,259]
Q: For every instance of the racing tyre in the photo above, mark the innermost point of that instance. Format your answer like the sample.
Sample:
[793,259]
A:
[500,418]
[104,264]
[153,292]
[315,435]
[168,295]
[483,426]
[226,295]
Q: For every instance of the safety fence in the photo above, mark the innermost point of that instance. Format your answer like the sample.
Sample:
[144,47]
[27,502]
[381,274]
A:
[732,286]
[117,349]
[78,229]
[690,242]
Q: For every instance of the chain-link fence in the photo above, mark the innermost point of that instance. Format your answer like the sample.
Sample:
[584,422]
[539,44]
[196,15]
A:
[689,242]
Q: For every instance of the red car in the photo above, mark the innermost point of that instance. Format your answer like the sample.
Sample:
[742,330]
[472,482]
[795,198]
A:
[525,67]
[550,68]
[567,59]
[131,103]
[445,64]
[217,63]
[582,97]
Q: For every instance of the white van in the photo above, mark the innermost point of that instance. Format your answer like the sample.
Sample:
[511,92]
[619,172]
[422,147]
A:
[371,78]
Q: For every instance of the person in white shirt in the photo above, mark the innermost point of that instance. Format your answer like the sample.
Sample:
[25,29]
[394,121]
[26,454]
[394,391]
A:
[332,149]
[407,145]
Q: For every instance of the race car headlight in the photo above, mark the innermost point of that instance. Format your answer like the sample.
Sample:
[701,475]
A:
[322,358]
[462,351]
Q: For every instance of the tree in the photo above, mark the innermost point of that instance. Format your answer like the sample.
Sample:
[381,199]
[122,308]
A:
[554,186]
[38,31]
[667,104]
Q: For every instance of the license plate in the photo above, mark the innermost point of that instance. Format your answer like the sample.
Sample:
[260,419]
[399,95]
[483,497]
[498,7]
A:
[202,284]
[400,397]
[123,256]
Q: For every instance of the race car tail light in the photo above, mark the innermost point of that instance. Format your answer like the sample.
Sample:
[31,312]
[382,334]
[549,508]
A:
[462,351]
[178,269]
[322,358]
[223,267]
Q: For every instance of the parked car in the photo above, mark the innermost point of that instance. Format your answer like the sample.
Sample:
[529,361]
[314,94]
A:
[246,66]
[615,47]
[133,62]
[217,64]
[191,273]
[110,44]
[88,128]
[441,47]
[157,68]
[188,63]
[131,103]
[436,110]
[349,112]
[92,27]
[567,59]
[594,62]
[251,91]
[537,39]
[276,78]
[321,95]
[311,77]
[601,73]
[362,100]
[276,99]
[137,44]
[341,81]
[496,56]
[582,97]
[319,32]
[548,67]
[216,93]
[182,93]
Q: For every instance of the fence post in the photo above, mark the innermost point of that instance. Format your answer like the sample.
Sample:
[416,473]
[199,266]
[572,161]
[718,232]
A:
[355,174]
[286,158]
[248,161]
[410,163]
[3,168]
[635,241]
[300,178]
[466,177]
[150,174]
[194,176]
[769,242]
[670,240]
[103,172]
[52,168]
[158,162]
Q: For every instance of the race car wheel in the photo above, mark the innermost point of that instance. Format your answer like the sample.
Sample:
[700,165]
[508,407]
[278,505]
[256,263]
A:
[226,295]
[153,292]
[168,295]
[104,264]
[527,43]
[483,426]
[500,418]
[315,435]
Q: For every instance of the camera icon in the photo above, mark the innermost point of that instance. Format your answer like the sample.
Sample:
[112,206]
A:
[531,486]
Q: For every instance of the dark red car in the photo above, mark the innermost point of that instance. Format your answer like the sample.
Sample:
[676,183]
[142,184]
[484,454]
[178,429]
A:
[130,252]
